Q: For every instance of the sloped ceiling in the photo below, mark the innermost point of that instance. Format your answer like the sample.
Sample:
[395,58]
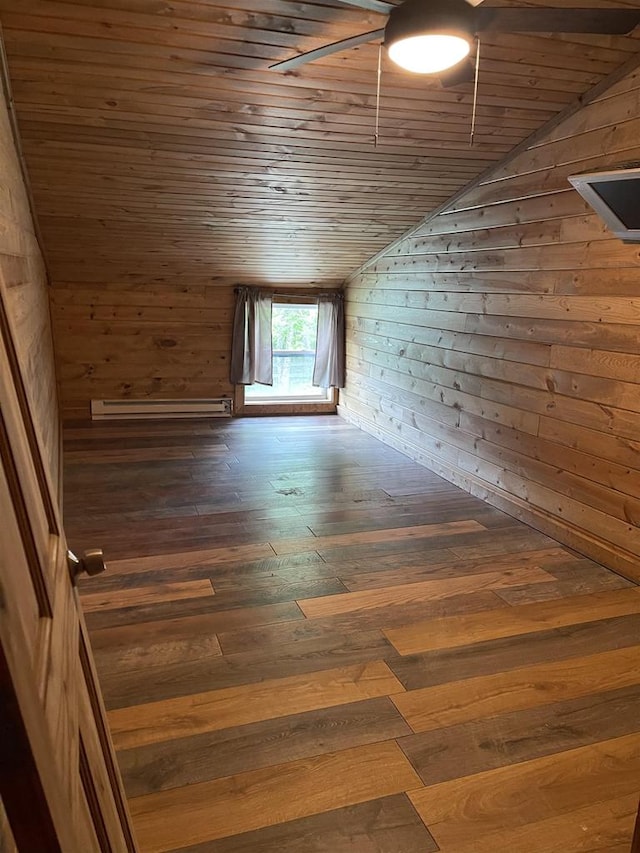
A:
[160,146]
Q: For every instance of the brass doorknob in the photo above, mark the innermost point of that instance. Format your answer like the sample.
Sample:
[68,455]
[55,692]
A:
[91,563]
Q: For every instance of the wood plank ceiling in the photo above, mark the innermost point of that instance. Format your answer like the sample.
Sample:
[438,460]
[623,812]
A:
[160,147]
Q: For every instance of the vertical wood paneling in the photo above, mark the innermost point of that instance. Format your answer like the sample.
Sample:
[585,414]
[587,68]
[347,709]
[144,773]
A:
[119,340]
[499,342]
[23,273]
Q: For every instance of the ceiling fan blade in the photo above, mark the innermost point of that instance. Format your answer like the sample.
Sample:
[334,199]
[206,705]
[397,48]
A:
[546,20]
[370,5]
[327,50]
[463,72]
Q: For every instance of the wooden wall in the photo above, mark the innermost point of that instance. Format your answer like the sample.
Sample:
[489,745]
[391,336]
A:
[119,339]
[158,140]
[23,272]
[499,343]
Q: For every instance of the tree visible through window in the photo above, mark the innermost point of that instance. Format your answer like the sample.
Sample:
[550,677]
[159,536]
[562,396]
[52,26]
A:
[294,328]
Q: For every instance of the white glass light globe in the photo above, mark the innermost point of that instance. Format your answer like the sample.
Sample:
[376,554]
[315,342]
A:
[428,54]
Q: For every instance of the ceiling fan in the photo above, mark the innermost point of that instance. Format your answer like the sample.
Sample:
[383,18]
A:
[432,36]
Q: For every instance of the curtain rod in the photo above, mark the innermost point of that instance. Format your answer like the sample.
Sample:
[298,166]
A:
[297,294]
[292,293]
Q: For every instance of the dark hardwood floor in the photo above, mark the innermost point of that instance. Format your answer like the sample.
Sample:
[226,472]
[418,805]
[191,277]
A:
[310,644]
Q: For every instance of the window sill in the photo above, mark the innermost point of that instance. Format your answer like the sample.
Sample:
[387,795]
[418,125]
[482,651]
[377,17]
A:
[284,407]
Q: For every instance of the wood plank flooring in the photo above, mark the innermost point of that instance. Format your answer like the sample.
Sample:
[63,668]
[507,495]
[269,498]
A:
[309,644]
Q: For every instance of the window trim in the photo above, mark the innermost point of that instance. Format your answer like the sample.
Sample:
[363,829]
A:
[293,407]
[318,407]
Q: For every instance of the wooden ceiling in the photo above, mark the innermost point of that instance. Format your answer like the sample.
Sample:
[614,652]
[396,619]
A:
[160,146]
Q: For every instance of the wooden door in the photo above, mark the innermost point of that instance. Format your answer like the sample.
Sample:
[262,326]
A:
[59,782]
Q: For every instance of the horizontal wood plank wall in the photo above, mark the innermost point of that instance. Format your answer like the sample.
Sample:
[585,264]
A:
[118,340]
[23,272]
[499,342]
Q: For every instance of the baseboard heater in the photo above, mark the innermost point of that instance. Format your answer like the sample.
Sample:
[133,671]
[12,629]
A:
[219,407]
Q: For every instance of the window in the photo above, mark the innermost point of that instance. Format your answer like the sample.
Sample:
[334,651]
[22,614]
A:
[290,338]
[294,327]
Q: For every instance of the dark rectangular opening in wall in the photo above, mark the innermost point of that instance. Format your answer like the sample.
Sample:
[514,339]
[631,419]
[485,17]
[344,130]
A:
[623,197]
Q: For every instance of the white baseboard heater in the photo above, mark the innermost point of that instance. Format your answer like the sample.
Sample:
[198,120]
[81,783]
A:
[219,407]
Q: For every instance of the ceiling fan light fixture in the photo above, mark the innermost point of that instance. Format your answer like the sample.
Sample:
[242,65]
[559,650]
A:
[429,53]
[429,36]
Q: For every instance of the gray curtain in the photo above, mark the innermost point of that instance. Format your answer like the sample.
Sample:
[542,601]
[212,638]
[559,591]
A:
[329,367]
[251,359]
